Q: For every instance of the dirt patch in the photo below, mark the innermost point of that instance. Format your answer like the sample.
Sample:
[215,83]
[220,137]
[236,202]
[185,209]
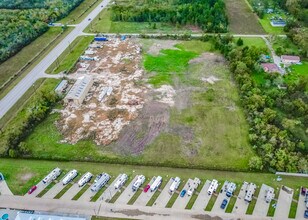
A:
[137,212]
[206,217]
[25,177]
[207,57]
[162,45]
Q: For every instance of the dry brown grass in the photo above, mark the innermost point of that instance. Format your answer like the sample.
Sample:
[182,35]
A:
[242,20]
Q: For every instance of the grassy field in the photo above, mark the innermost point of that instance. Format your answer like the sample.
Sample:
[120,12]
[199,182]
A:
[67,60]
[103,24]
[79,13]
[265,22]
[241,18]
[15,172]
[252,41]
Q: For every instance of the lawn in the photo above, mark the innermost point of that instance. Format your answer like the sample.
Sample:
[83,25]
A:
[241,18]
[67,60]
[265,22]
[21,174]
[252,41]
[284,46]
[103,24]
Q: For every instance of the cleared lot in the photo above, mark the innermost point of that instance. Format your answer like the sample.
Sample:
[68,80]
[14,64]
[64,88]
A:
[50,194]
[203,197]
[127,194]
[241,205]
[145,197]
[221,196]
[283,204]
[164,196]
[181,202]
[300,207]
[40,187]
[110,191]
[261,206]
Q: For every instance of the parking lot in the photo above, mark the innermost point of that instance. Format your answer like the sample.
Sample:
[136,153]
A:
[109,191]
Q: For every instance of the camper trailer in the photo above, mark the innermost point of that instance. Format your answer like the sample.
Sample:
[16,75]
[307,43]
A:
[194,186]
[251,189]
[101,182]
[121,181]
[85,179]
[140,180]
[175,184]
[54,174]
[231,187]
[69,177]
[213,187]
[156,183]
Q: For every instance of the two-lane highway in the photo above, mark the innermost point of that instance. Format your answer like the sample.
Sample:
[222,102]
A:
[39,71]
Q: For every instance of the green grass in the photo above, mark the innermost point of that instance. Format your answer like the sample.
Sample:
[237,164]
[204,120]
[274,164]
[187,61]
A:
[99,193]
[44,191]
[286,45]
[79,13]
[64,190]
[67,60]
[79,194]
[265,22]
[103,24]
[252,204]
[259,78]
[14,170]
[293,208]
[252,41]
[271,209]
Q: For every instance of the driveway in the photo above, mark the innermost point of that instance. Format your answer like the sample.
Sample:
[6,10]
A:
[50,194]
[143,198]
[301,207]
[4,189]
[283,204]
[261,207]
[181,202]
[221,196]
[241,205]
[109,192]
[203,197]
[164,196]
[128,193]
[40,187]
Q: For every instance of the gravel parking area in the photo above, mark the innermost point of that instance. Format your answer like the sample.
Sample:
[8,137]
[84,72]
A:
[283,204]
[71,192]
[164,196]
[181,202]
[261,206]
[300,207]
[220,198]
[241,205]
[127,194]
[110,191]
[145,197]
[203,197]
[50,194]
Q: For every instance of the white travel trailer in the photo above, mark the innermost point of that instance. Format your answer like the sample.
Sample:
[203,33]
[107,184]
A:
[121,181]
[69,177]
[251,189]
[175,184]
[269,195]
[213,187]
[194,186]
[156,183]
[231,187]
[101,182]
[52,175]
[85,179]
[140,180]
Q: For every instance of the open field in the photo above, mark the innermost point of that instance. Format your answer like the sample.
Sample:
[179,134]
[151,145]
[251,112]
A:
[252,41]
[22,174]
[104,24]
[67,60]
[204,124]
[241,18]
[79,13]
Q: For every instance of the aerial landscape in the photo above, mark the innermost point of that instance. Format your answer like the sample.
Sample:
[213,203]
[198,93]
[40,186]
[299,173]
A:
[153,109]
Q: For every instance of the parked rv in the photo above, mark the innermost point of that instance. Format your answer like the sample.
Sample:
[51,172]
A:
[213,187]
[69,177]
[269,195]
[54,174]
[156,183]
[121,181]
[194,186]
[250,191]
[175,184]
[140,180]
[230,188]
[101,182]
[85,179]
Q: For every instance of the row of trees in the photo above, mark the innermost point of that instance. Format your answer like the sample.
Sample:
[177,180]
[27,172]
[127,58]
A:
[273,114]
[207,14]
[18,27]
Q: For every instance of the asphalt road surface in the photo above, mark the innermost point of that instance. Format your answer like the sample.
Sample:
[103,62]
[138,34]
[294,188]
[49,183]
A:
[39,71]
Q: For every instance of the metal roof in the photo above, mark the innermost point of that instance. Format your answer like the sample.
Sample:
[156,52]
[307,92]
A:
[79,87]
[34,216]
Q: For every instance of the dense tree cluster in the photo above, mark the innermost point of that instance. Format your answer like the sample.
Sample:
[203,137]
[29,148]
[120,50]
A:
[21,26]
[275,115]
[206,14]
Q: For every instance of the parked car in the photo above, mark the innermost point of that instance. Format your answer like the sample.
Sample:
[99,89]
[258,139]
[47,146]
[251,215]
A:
[223,204]
[89,19]
[306,214]
[183,193]
[146,188]
[303,191]
[32,189]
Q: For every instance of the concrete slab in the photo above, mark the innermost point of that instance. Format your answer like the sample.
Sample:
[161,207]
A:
[143,198]
[240,206]
[181,202]
[301,207]
[164,196]
[261,207]
[87,195]
[110,191]
[221,196]
[40,187]
[71,192]
[283,204]
[4,189]
[50,194]
[127,194]
[203,197]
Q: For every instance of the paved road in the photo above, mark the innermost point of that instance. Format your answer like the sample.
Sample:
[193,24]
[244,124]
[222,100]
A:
[110,210]
[276,58]
[39,71]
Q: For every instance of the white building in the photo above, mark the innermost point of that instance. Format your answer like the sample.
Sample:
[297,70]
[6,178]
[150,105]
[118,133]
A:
[35,216]
[61,87]
[79,90]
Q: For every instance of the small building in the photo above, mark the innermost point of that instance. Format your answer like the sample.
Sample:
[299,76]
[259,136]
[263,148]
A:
[278,23]
[60,89]
[270,67]
[288,60]
[79,90]
[32,216]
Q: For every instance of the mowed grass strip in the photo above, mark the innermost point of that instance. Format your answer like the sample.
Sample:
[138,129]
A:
[67,60]
[64,190]
[79,194]
[241,18]
[294,204]
[137,194]
[271,209]
[101,191]
[47,188]
[252,204]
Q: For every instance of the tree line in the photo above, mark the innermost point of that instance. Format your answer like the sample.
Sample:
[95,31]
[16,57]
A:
[19,27]
[209,15]
[275,115]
